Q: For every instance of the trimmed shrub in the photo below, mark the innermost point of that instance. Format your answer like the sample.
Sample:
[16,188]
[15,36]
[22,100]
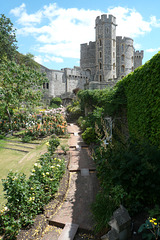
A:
[55,102]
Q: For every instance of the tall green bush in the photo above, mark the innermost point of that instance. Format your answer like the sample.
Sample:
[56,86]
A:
[142,89]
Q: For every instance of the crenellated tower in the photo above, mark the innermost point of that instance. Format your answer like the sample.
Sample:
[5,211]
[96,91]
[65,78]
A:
[125,56]
[105,48]
[88,59]
[138,56]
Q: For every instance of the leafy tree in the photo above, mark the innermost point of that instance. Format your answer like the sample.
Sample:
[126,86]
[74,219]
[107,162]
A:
[19,84]
[7,38]
[27,59]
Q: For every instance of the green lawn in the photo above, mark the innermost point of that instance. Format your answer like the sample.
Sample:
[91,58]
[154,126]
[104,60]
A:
[17,160]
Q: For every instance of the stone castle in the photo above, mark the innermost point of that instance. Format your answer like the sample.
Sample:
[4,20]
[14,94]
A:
[102,63]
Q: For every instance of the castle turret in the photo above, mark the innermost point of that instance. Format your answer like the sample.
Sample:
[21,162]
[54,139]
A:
[105,48]
[138,56]
[88,59]
[125,56]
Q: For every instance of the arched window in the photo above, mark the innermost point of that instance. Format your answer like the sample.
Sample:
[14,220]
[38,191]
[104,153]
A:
[132,59]
[100,65]
[122,57]
[100,42]
[114,66]
[122,68]
[122,47]
[100,78]
[100,54]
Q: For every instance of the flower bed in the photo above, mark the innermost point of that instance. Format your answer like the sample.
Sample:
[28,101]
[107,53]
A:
[27,197]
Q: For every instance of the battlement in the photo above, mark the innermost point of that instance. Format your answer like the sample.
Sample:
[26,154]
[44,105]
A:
[106,19]
[139,53]
[123,39]
[85,46]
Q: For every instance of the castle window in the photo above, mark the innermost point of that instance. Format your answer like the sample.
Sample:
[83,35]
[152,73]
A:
[122,68]
[44,85]
[122,47]
[132,59]
[100,42]
[100,78]
[113,66]
[100,54]
[122,57]
[100,65]
[47,85]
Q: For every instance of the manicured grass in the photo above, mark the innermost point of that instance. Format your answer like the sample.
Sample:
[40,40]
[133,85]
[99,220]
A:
[17,160]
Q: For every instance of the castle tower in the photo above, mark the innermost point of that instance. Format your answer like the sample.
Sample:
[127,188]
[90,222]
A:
[138,56]
[88,59]
[125,56]
[105,48]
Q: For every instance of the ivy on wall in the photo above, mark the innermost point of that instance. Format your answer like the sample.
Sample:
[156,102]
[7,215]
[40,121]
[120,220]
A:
[110,99]
[139,92]
[142,89]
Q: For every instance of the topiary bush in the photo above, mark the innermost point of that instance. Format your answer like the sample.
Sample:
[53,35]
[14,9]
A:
[55,102]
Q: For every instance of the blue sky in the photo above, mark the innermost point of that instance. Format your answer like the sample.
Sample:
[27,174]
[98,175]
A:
[53,30]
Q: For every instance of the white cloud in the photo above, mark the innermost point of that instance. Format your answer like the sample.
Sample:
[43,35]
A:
[47,58]
[152,50]
[68,28]
[130,22]
[62,49]
[29,19]
[155,22]
[24,18]
[38,59]
[137,45]
[18,10]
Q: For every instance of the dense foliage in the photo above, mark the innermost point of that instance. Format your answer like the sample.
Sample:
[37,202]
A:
[20,79]
[27,197]
[55,102]
[7,38]
[139,93]
[142,89]
[128,168]
[110,99]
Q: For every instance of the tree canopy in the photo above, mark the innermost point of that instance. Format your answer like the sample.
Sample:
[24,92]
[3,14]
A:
[20,78]
[7,38]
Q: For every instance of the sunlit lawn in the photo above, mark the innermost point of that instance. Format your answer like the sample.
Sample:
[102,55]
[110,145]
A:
[17,160]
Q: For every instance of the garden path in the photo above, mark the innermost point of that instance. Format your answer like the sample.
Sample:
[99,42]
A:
[75,213]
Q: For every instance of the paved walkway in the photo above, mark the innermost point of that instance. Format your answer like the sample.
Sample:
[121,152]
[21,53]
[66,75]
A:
[75,212]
